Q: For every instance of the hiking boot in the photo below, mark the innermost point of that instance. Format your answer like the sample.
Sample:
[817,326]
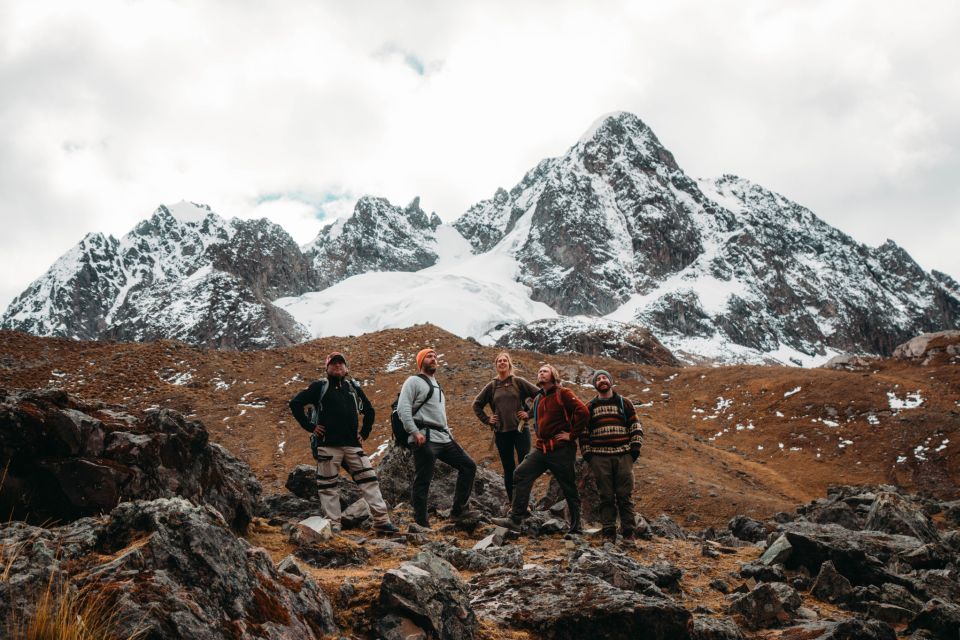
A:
[415,527]
[507,523]
[609,535]
[464,514]
[628,534]
[576,529]
[386,527]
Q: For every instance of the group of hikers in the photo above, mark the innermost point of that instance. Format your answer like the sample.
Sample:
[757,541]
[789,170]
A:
[607,429]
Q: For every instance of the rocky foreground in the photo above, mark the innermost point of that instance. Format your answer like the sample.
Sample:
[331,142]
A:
[172,532]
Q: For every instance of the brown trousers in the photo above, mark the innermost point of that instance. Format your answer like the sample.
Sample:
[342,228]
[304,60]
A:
[614,475]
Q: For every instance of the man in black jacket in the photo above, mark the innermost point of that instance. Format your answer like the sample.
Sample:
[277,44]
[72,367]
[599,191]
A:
[338,402]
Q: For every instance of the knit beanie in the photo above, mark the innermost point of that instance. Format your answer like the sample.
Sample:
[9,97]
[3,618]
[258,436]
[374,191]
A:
[601,372]
[423,354]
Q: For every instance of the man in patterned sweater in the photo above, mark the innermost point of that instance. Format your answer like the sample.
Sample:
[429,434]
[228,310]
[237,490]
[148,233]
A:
[610,446]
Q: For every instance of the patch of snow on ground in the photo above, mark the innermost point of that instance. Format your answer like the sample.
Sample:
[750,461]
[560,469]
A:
[831,423]
[872,419]
[397,362]
[910,401]
[280,447]
[793,391]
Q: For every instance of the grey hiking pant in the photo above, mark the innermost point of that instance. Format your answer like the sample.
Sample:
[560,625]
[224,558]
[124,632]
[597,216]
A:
[614,475]
[559,462]
[358,464]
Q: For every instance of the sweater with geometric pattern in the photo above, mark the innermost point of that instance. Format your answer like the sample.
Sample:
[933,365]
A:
[610,432]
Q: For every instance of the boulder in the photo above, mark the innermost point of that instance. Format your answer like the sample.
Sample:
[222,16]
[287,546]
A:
[193,577]
[830,585]
[553,604]
[762,572]
[891,513]
[861,556]
[777,553]
[616,569]
[664,527]
[477,559]
[927,344]
[941,619]
[313,530]
[748,529]
[851,629]
[707,628]
[429,592]
[396,475]
[770,604]
[302,482]
[66,459]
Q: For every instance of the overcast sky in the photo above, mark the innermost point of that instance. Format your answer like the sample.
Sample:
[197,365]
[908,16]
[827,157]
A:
[292,110]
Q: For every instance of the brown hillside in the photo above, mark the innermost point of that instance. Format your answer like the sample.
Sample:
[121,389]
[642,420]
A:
[720,440]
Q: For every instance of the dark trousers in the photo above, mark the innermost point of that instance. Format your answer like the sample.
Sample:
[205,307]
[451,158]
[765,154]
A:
[559,462]
[509,442]
[614,475]
[424,458]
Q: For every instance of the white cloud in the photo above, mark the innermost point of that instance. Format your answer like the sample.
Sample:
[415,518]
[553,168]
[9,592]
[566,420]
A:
[110,108]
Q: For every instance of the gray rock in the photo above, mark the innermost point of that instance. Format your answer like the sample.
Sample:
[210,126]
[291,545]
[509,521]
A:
[707,628]
[748,529]
[617,569]
[777,553]
[770,604]
[395,472]
[940,618]
[552,604]
[664,527]
[430,592]
[175,570]
[45,439]
[762,572]
[477,559]
[891,513]
[830,585]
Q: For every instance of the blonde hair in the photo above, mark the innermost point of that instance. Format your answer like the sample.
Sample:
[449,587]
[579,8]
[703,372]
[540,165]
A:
[553,372]
[509,360]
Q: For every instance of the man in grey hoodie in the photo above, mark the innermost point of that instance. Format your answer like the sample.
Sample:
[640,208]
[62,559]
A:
[431,439]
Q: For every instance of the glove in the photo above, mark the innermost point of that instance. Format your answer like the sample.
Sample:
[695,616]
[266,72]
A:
[634,453]
[587,456]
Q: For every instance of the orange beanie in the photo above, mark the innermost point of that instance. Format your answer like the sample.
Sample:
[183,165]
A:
[423,354]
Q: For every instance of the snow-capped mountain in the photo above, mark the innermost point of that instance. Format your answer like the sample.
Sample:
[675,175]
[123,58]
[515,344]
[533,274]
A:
[378,236]
[183,273]
[590,247]
[720,267]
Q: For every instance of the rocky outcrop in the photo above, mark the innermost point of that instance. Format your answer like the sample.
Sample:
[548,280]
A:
[395,473]
[552,604]
[168,568]
[592,337]
[378,236]
[768,605]
[930,346]
[65,459]
[429,592]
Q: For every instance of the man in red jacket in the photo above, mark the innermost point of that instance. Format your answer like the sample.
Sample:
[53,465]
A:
[559,418]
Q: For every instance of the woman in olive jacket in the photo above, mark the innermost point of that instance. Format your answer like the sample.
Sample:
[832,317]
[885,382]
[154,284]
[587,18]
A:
[507,395]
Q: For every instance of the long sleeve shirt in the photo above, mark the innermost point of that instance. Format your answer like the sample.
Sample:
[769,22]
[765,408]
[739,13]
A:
[338,411]
[432,414]
[560,410]
[505,397]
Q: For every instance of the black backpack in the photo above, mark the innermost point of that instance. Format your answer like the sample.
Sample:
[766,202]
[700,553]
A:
[400,434]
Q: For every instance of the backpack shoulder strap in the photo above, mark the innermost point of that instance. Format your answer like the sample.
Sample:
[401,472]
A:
[429,393]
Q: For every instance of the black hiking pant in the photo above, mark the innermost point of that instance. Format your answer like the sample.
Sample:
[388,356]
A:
[424,458]
[559,462]
[509,442]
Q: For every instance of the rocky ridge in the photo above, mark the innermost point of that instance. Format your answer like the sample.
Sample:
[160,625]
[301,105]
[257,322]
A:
[615,227]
